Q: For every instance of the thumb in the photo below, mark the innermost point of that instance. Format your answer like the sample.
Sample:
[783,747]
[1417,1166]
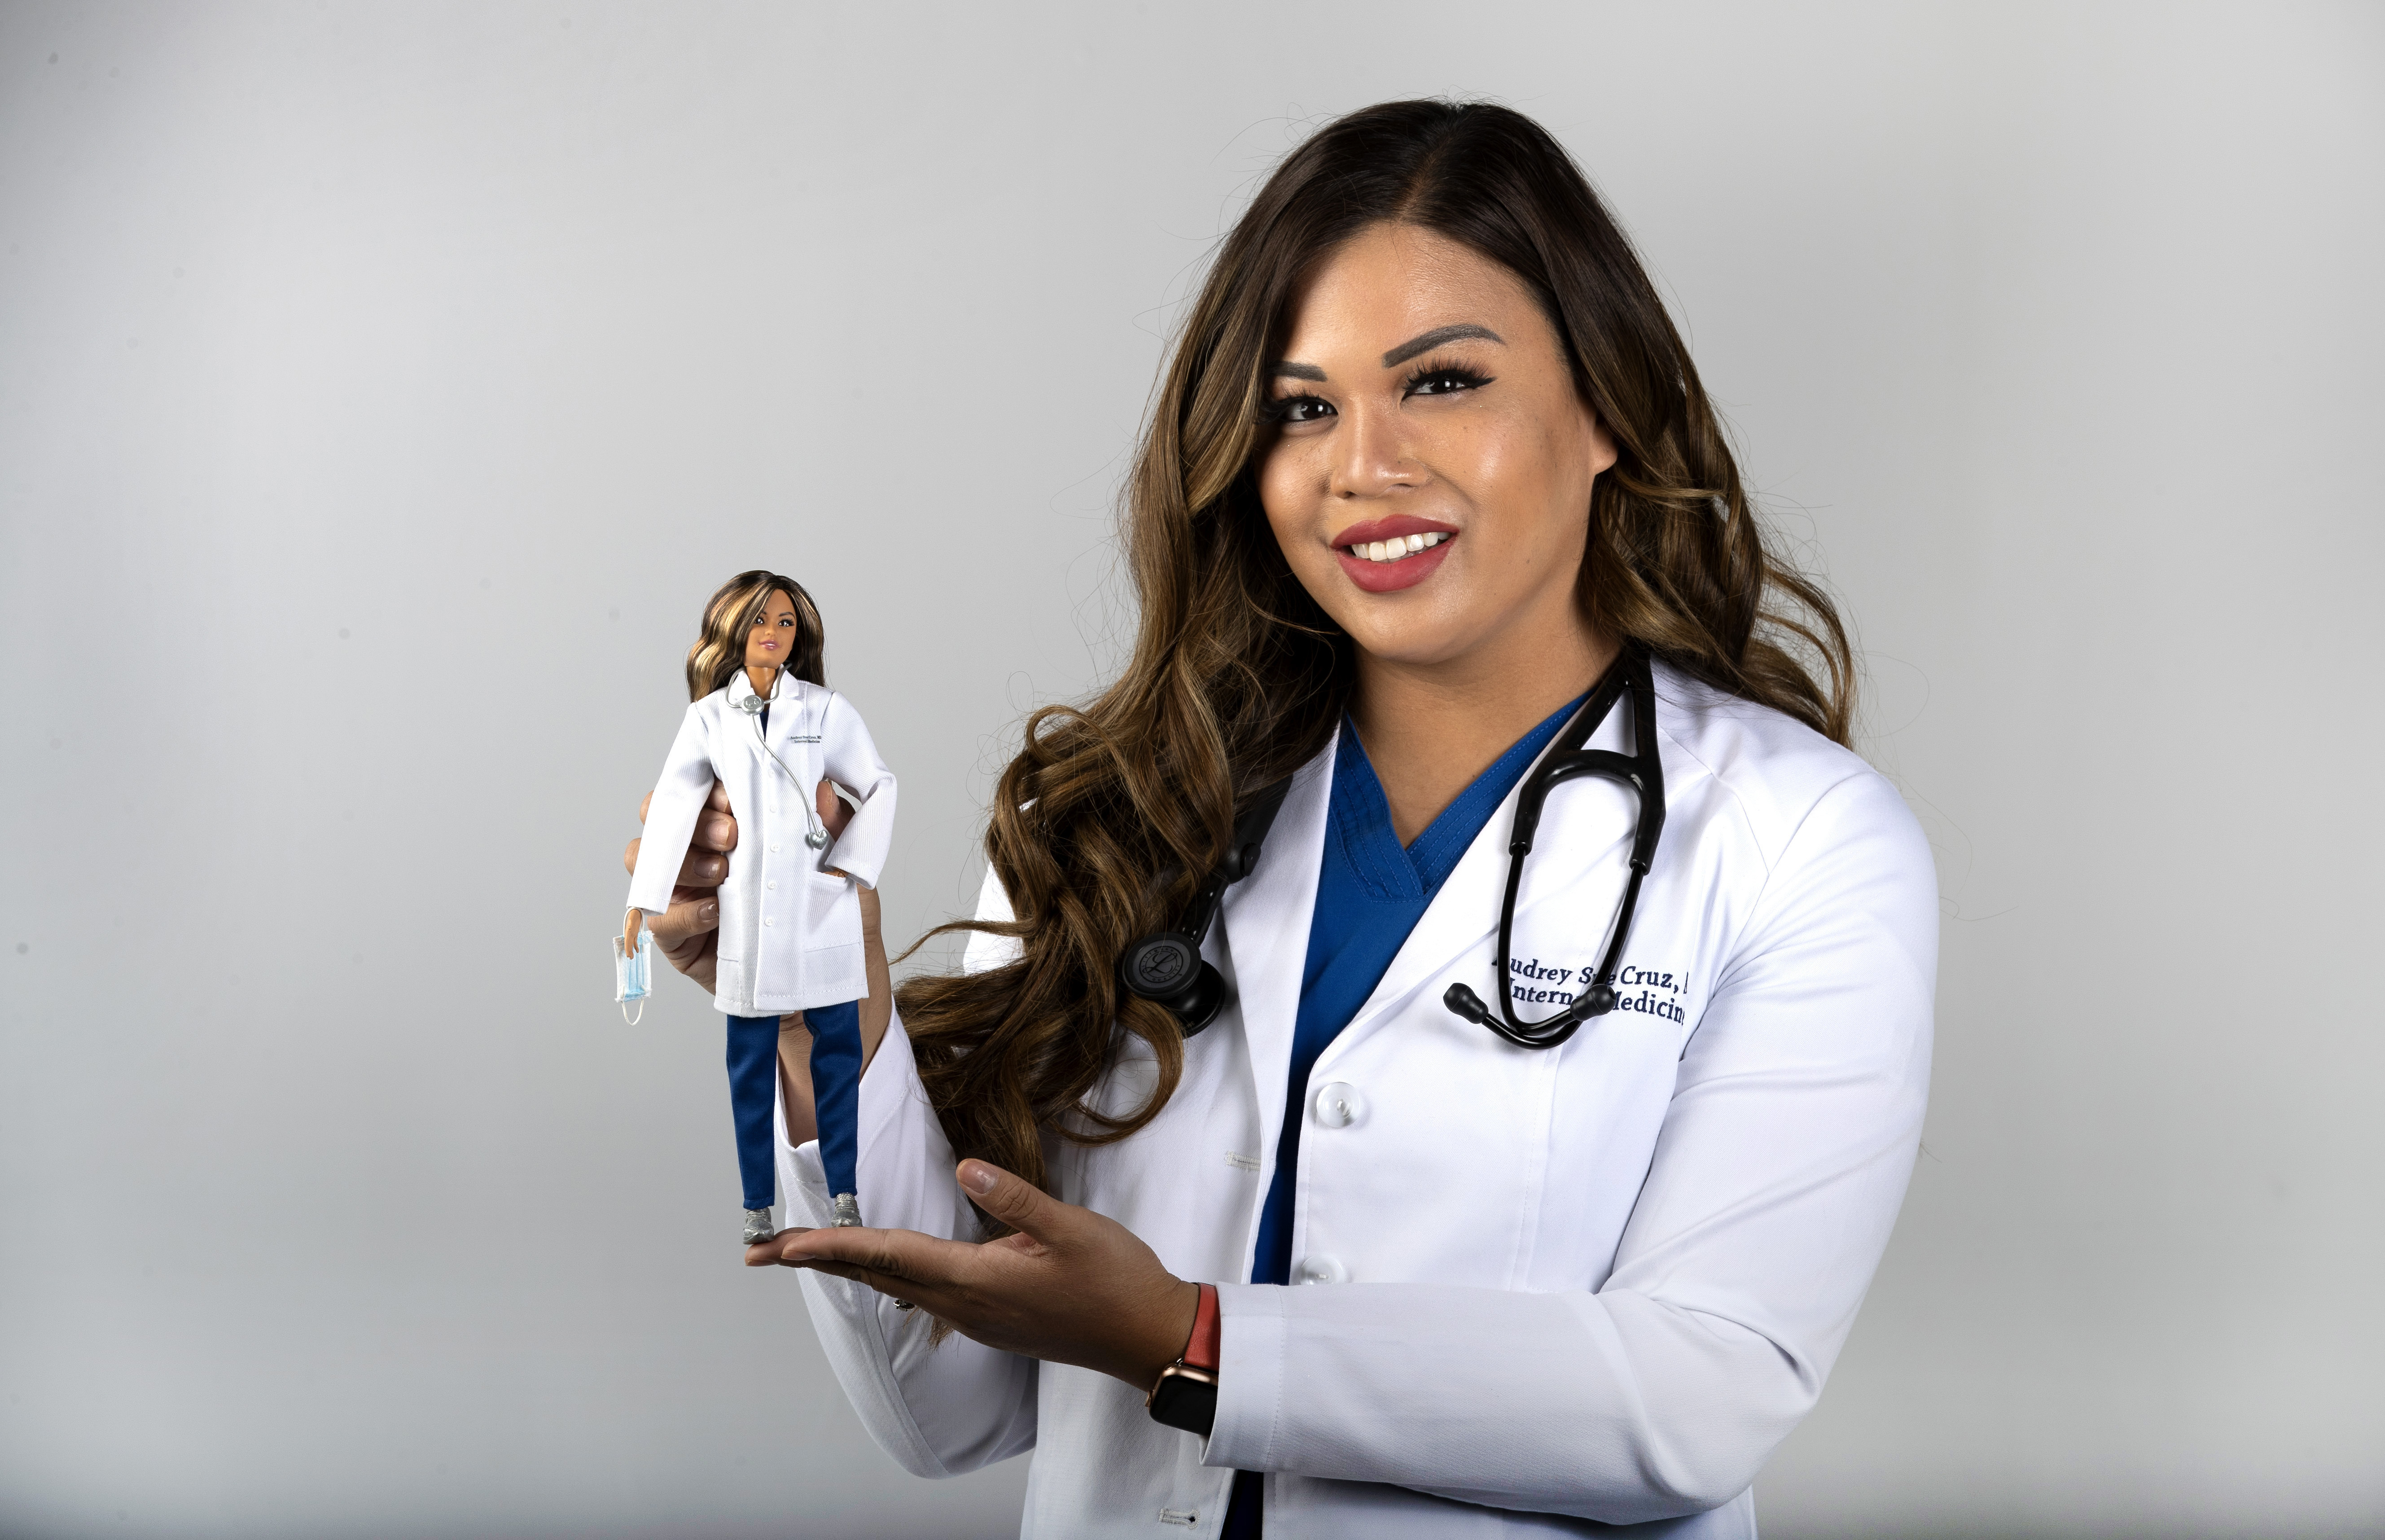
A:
[1019,1204]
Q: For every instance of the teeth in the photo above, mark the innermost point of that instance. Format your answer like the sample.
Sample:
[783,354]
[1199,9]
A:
[1392,550]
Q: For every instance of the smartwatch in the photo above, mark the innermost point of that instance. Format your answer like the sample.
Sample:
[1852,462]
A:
[1185,1395]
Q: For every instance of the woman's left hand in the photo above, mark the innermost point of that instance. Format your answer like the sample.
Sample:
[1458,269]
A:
[1071,1287]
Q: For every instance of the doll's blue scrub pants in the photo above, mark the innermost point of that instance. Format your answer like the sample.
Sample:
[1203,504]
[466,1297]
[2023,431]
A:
[836,1093]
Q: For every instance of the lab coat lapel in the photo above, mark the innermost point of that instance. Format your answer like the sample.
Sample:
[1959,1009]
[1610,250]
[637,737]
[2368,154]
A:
[790,708]
[787,705]
[1266,920]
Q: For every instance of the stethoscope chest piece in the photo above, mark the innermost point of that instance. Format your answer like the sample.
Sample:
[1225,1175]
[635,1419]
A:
[1166,969]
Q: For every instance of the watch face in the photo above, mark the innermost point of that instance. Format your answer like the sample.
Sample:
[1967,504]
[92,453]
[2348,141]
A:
[1182,1401]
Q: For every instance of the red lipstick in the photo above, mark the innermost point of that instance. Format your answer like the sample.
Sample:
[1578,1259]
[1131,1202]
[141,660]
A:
[1405,572]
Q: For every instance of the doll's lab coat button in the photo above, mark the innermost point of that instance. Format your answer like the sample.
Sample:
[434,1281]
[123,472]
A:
[774,850]
[1319,1268]
[769,922]
[772,886]
[1338,1105]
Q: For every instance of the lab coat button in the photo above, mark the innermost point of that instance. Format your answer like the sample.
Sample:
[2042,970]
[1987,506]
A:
[1321,1269]
[772,886]
[1338,1105]
[774,850]
[768,923]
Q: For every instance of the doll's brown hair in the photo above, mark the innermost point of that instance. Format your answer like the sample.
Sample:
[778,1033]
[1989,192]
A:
[1114,811]
[719,651]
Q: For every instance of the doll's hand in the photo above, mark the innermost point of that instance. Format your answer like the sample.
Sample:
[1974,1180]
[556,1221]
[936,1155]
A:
[688,932]
[834,814]
[1071,1285]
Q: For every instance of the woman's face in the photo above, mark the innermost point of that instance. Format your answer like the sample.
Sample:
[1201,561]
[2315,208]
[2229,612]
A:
[770,641]
[1428,468]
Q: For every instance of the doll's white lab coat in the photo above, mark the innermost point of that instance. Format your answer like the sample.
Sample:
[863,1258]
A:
[790,931]
[1536,1293]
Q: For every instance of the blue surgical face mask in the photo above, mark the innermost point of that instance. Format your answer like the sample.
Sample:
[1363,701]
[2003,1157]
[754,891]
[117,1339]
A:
[634,973]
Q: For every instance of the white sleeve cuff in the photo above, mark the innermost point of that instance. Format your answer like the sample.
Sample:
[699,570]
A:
[1250,1375]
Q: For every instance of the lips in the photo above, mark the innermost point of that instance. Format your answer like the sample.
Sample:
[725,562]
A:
[1404,572]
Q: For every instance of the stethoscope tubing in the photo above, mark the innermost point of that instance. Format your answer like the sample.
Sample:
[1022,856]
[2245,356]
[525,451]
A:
[1166,969]
[1644,772]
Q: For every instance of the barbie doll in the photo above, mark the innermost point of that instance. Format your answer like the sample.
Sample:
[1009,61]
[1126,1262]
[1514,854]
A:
[766,725]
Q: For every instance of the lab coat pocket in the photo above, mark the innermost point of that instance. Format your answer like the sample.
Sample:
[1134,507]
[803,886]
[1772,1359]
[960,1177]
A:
[831,913]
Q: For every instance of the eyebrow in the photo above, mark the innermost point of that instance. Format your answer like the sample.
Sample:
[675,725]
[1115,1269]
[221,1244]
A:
[1285,369]
[1434,338]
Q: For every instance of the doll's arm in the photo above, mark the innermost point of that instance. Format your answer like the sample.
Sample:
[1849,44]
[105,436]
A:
[850,760]
[678,803]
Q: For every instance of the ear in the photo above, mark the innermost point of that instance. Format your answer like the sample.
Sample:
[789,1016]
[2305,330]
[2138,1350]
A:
[1602,453]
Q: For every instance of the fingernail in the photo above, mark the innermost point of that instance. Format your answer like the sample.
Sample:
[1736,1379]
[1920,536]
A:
[978,1179]
[711,913]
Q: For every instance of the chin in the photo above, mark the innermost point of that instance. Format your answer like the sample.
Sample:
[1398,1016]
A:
[1419,645]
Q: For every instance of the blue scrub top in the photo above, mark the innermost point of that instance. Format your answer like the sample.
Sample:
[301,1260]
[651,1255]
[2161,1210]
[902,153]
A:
[1371,893]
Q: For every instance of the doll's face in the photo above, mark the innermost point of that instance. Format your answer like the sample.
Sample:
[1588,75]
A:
[770,641]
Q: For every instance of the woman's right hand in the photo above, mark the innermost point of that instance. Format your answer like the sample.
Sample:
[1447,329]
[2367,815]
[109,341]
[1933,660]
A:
[688,932]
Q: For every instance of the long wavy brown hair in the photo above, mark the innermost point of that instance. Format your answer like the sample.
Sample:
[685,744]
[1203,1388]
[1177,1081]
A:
[1112,812]
[720,650]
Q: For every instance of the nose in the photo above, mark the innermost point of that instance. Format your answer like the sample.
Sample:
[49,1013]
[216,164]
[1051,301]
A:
[1369,455]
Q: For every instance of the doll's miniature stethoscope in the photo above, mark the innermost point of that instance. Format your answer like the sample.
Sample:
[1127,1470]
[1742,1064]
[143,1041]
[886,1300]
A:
[1167,968]
[814,834]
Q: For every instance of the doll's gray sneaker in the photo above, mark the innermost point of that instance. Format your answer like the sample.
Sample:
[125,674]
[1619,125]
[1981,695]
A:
[848,1210]
[758,1227]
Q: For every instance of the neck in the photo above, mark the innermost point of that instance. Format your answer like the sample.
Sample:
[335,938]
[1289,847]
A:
[762,675]
[1432,729]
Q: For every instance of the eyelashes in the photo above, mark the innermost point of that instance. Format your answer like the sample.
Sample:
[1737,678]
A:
[1298,407]
[1448,373]
[1437,377]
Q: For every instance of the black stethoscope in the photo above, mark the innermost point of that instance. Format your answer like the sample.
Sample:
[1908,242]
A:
[1167,968]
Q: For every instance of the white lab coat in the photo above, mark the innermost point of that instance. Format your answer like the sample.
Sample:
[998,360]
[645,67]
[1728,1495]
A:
[790,931]
[1595,1282]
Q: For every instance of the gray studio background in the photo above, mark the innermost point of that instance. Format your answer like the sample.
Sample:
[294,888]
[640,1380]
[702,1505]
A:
[383,389]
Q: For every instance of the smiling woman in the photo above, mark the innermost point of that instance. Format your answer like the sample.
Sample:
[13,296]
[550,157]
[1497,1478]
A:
[1430,493]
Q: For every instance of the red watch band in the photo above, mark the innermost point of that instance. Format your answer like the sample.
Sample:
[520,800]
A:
[1185,1395]
[1201,1348]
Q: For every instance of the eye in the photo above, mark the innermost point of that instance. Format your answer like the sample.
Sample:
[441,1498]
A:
[1297,408]
[1440,379]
